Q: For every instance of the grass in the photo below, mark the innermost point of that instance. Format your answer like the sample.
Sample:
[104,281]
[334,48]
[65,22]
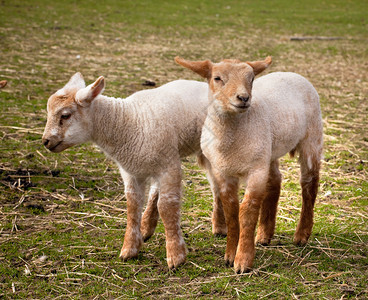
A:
[62,216]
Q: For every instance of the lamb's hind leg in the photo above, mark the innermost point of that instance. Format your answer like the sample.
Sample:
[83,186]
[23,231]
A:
[267,219]
[309,168]
[169,209]
[150,216]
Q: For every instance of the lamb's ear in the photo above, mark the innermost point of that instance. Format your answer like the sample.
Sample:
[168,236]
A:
[203,68]
[86,95]
[75,82]
[260,66]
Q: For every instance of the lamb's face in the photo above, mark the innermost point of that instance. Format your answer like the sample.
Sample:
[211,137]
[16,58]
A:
[68,116]
[230,81]
[65,124]
[231,86]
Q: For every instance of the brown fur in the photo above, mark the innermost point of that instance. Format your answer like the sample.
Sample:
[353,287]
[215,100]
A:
[267,218]
[230,204]
[56,106]
[132,240]
[150,216]
[169,209]
[238,85]
[260,66]
[203,68]
[228,193]
[3,83]
[309,181]
[248,217]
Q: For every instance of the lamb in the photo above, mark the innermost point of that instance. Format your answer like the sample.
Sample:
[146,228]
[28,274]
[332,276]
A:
[249,126]
[146,134]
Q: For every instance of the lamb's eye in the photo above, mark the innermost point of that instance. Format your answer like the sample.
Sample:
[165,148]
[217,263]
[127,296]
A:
[217,78]
[66,116]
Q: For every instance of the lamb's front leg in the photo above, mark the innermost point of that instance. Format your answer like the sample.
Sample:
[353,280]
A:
[248,217]
[228,190]
[225,216]
[134,192]
[169,209]
[218,216]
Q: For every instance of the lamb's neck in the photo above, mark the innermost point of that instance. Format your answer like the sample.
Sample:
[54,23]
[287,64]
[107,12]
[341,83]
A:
[223,125]
[112,121]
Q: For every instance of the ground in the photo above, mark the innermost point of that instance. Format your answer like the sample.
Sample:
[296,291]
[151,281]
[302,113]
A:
[63,216]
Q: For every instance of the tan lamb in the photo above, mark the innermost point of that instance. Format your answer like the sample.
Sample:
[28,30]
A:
[249,126]
[146,135]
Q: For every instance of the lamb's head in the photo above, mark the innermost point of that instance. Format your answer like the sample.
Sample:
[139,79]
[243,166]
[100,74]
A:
[230,81]
[68,114]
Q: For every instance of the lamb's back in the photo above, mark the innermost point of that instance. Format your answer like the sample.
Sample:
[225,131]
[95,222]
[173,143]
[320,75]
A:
[290,104]
[172,115]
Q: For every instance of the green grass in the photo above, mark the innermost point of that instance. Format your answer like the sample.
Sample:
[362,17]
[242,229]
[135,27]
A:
[63,216]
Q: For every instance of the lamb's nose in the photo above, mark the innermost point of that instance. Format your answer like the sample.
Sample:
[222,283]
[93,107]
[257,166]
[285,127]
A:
[243,99]
[45,142]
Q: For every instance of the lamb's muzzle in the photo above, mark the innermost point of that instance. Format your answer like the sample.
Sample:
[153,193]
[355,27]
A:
[244,102]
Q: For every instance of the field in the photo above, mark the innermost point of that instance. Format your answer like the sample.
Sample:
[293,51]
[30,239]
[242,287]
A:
[63,216]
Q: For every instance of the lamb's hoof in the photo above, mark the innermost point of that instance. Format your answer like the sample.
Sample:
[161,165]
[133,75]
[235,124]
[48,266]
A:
[219,231]
[176,256]
[229,259]
[243,263]
[128,253]
[148,226]
[146,237]
[241,270]
[264,241]
[175,261]
[301,239]
[146,233]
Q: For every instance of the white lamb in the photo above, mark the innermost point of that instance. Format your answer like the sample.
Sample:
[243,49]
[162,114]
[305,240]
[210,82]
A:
[249,126]
[146,134]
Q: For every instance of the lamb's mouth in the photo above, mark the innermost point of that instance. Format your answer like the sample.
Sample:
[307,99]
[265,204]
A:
[52,149]
[241,106]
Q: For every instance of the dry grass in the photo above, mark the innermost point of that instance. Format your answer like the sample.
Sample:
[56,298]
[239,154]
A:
[62,216]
